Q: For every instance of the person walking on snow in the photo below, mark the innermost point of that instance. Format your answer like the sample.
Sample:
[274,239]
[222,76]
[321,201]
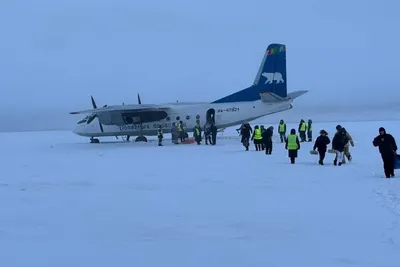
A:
[302,130]
[338,143]
[213,130]
[257,138]
[309,131]
[262,131]
[267,140]
[321,144]
[160,136]
[245,132]
[292,145]
[387,147]
[207,133]
[282,131]
[347,146]
[197,134]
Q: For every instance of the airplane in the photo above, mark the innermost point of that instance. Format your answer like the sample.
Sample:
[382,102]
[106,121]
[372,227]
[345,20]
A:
[266,96]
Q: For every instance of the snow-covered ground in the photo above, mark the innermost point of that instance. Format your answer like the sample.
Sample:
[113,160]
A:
[65,202]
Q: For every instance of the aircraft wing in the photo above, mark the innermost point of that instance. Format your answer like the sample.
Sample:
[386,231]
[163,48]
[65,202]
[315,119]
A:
[123,108]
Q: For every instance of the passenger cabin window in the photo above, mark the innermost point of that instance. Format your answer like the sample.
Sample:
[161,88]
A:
[130,120]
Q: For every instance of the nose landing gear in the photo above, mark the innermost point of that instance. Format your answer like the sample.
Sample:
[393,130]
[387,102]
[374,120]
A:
[94,140]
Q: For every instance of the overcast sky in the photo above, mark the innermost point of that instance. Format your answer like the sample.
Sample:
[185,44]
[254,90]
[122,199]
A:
[55,54]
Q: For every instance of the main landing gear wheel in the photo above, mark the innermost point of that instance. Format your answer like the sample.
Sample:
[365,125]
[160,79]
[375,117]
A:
[94,140]
[141,138]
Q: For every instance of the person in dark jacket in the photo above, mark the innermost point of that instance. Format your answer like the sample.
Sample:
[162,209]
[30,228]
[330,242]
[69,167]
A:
[207,133]
[160,136]
[346,147]
[321,144]
[240,128]
[262,128]
[267,140]
[338,143]
[292,145]
[213,130]
[245,132]
[387,147]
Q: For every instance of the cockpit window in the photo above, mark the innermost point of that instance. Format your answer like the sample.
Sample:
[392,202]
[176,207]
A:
[83,120]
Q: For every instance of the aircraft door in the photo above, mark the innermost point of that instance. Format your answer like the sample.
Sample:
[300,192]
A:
[210,116]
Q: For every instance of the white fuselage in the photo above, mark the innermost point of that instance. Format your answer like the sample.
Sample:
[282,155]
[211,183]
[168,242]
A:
[226,115]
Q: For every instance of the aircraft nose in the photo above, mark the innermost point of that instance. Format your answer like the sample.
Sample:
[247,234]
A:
[77,130]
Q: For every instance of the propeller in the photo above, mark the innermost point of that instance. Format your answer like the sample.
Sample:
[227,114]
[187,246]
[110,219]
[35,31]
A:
[94,115]
[140,102]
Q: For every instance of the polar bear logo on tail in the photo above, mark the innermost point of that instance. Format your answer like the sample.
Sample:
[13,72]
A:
[277,76]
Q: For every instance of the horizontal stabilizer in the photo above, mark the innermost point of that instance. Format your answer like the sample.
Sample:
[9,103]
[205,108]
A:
[268,97]
[296,94]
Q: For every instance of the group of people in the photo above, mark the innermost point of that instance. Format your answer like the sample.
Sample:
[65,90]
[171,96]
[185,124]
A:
[341,142]
[179,134]
[262,139]
[340,145]
[210,133]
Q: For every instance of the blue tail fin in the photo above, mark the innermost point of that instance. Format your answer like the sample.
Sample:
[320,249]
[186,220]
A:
[271,77]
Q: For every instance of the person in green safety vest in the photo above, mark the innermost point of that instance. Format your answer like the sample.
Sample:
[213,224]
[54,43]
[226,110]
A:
[160,136]
[309,131]
[292,145]
[181,131]
[174,133]
[197,134]
[282,131]
[302,130]
[257,138]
